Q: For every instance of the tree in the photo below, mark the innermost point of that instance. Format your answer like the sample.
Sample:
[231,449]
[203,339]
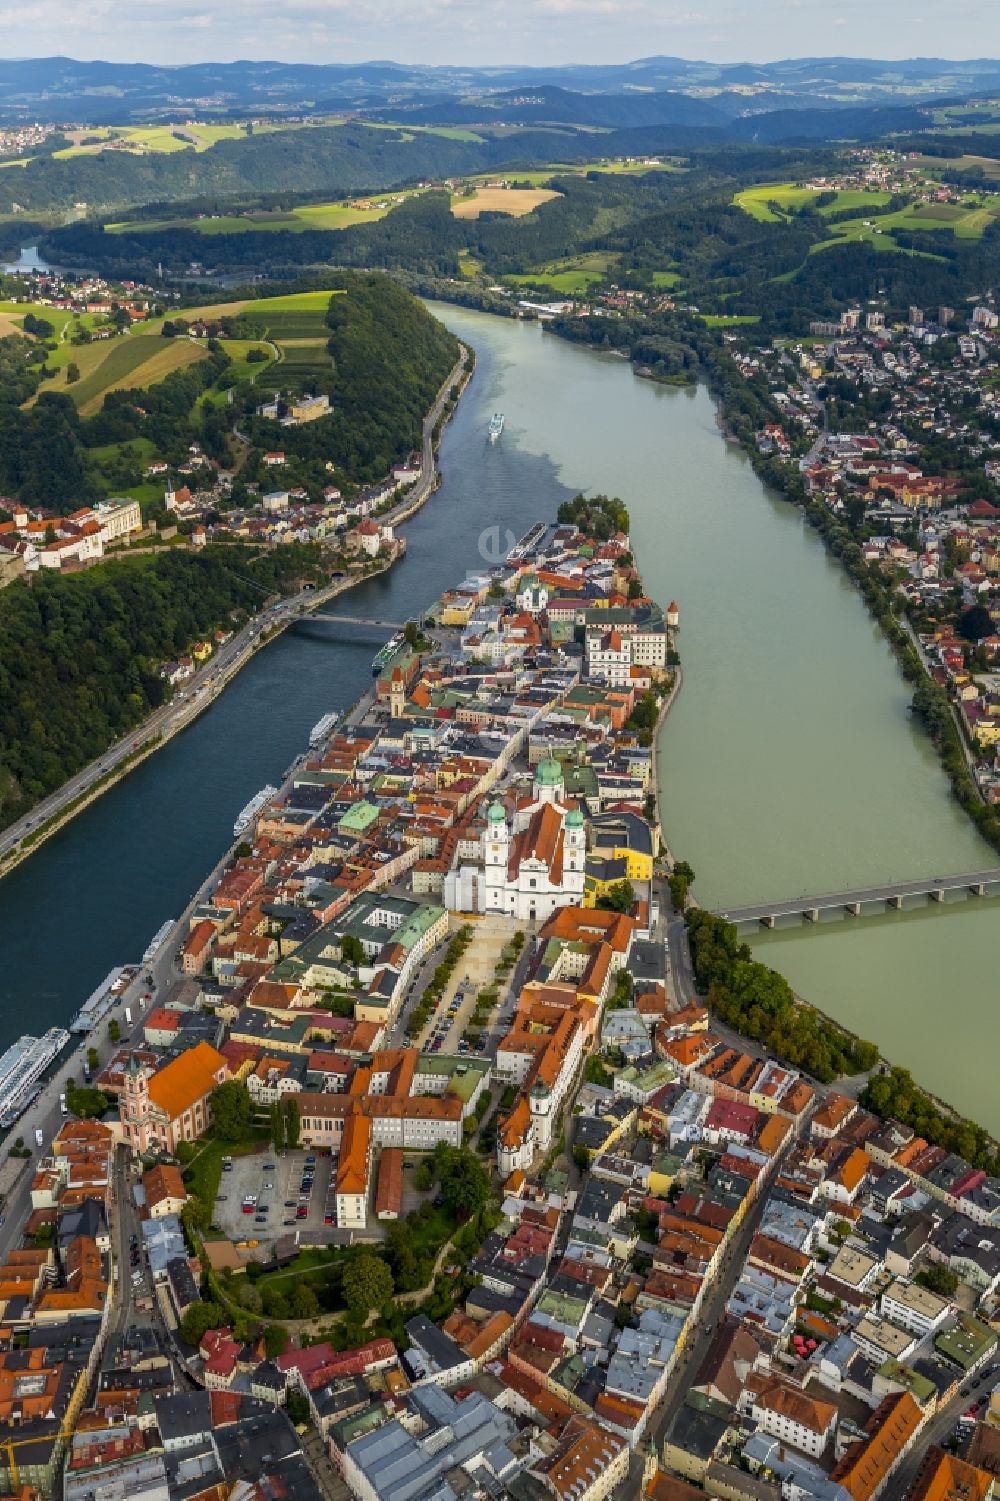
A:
[581,1156]
[92,1059]
[250,1297]
[88,1104]
[938,1279]
[367,1283]
[292,1123]
[465,1186]
[72,373]
[199,1318]
[303,1302]
[297,1407]
[975,623]
[423,1178]
[275,1302]
[618,898]
[351,950]
[232,1110]
[114,1030]
[275,1341]
[277,1125]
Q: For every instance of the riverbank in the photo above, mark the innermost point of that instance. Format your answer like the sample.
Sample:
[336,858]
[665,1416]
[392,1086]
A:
[91,782]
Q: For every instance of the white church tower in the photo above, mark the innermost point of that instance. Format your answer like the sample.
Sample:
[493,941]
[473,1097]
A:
[496,853]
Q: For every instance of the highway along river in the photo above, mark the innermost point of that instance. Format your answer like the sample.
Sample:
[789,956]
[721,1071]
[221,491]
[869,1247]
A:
[789,762]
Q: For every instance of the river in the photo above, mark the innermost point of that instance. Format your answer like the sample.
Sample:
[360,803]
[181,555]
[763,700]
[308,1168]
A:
[789,762]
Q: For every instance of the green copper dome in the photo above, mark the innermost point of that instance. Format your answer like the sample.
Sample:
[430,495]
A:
[496,813]
[574,819]
[548,773]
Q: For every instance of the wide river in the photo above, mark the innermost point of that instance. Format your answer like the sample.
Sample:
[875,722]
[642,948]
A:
[789,762]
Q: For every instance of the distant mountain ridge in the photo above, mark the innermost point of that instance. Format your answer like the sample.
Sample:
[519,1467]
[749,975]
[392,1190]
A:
[64,88]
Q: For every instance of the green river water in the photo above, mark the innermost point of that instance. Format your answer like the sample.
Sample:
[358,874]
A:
[789,763]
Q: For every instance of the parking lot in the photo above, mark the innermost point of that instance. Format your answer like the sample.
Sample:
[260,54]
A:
[283,1197]
[476,969]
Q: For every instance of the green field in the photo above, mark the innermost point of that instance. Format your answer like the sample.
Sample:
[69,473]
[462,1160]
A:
[966,220]
[132,361]
[729,320]
[665,279]
[758,201]
[339,214]
[159,138]
[988,165]
[572,275]
[238,349]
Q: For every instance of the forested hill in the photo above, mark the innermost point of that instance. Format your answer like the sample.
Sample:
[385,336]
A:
[388,360]
[80,654]
[354,157]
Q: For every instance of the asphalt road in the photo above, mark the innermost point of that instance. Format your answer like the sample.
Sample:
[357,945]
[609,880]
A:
[938,1429]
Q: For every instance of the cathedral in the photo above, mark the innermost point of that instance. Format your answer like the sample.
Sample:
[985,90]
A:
[535,862]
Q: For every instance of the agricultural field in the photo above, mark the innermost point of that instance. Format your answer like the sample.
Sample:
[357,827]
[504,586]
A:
[966,220]
[988,165]
[238,349]
[760,201]
[184,136]
[513,201]
[572,275]
[296,325]
[135,360]
[338,214]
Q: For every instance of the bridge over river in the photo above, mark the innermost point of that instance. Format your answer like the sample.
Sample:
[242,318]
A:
[867,901]
[324,615]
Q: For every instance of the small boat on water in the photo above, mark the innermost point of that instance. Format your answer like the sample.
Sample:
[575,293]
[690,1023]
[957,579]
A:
[496,426]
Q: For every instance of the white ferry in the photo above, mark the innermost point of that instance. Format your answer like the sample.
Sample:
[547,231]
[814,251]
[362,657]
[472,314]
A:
[322,728]
[96,1007]
[253,807]
[21,1067]
[496,426]
[157,940]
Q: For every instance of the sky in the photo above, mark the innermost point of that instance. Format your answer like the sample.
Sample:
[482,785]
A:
[496,31]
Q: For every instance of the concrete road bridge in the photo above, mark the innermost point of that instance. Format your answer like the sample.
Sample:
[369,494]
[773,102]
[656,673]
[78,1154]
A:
[324,615]
[867,901]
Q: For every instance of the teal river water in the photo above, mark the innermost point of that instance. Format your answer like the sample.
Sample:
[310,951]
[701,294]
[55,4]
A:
[789,762]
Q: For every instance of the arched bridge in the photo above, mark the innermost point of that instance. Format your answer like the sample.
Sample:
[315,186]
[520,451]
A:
[867,901]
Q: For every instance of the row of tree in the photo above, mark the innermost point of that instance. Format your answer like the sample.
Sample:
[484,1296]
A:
[760,1004]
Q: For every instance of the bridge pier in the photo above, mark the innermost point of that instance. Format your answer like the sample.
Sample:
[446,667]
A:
[853,909]
[811,914]
[936,894]
[979,889]
[768,921]
[894,901]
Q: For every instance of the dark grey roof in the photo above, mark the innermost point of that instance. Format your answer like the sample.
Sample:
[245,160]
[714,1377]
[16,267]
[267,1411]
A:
[181,1279]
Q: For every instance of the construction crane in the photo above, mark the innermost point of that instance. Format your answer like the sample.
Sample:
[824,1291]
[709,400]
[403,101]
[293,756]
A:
[7,1446]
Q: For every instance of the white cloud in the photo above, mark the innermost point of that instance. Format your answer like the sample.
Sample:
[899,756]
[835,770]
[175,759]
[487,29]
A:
[543,32]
